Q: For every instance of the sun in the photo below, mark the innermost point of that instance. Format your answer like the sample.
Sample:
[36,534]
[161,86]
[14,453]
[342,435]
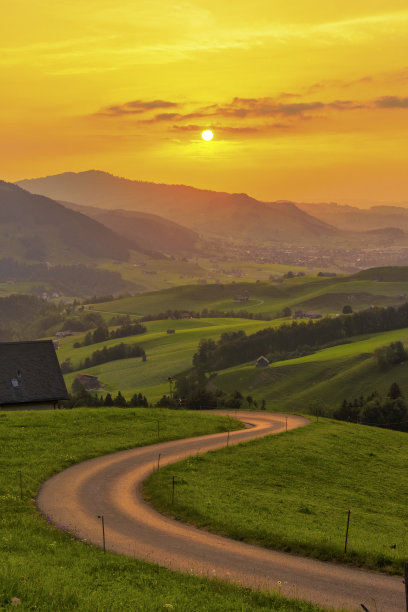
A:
[207,135]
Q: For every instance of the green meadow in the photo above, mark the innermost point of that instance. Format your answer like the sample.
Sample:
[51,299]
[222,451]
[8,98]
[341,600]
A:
[325,377]
[47,569]
[167,354]
[150,274]
[310,293]
[293,492]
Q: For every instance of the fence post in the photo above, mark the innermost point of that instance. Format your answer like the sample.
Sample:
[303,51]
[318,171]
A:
[347,530]
[103,531]
[21,485]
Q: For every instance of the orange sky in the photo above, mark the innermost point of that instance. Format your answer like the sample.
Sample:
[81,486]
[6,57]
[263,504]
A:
[308,100]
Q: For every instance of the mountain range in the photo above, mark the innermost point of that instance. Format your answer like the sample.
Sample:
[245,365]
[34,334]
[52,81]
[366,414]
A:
[209,213]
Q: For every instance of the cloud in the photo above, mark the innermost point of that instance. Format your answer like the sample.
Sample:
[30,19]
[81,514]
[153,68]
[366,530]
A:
[391,102]
[135,107]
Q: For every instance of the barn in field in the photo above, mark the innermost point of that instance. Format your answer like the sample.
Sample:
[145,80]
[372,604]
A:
[262,362]
[30,376]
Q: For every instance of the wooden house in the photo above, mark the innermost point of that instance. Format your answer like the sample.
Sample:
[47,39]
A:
[30,376]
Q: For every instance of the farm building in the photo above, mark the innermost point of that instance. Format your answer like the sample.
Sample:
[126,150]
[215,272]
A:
[30,376]
[89,382]
[171,331]
[262,362]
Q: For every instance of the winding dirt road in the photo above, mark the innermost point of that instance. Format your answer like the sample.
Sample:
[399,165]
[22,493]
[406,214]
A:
[111,486]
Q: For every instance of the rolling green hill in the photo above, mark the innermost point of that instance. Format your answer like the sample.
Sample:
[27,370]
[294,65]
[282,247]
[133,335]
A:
[311,293]
[301,485]
[167,354]
[322,378]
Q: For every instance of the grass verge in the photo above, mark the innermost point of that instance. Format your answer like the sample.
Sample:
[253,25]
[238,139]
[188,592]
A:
[293,491]
[46,569]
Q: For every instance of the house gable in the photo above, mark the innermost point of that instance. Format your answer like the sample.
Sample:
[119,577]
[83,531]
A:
[30,374]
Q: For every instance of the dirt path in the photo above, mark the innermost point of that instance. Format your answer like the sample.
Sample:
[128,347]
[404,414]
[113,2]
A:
[111,486]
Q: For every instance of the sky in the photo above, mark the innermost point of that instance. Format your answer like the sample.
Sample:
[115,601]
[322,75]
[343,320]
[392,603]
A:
[307,100]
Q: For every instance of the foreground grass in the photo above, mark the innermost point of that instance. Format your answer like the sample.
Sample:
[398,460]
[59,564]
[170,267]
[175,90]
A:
[293,492]
[47,569]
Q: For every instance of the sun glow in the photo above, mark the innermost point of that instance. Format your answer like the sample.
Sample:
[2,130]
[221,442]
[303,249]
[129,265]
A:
[207,135]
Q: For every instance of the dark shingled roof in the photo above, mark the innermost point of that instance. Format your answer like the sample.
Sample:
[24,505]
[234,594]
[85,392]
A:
[30,372]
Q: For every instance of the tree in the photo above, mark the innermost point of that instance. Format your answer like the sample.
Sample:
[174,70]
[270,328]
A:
[347,309]
[119,400]
[394,391]
[108,400]
[287,312]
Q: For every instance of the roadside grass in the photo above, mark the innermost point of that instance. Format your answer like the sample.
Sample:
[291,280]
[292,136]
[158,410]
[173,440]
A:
[47,569]
[328,376]
[292,492]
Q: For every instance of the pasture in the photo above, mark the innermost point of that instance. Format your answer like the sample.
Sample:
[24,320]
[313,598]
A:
[325,377]
[167,354]
[47,569]
[293,492]
[310,293]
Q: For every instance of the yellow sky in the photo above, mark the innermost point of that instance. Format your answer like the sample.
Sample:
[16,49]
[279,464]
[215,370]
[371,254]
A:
[308,100]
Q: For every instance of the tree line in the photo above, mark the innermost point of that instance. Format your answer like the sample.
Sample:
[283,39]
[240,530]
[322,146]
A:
[68,279]
[102,333]
[113,353]
[234,348]
[390,412]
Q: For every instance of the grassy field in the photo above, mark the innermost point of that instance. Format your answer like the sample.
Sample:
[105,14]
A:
[327,376]
[156,274]
[326,295]
[293,492]
[167,354]
[46,569]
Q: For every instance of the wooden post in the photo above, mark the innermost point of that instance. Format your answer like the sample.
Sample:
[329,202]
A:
[347,530]
[103,532]
[172,493]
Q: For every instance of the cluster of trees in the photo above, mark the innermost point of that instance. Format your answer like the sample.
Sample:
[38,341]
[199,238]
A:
[390,354]
[82,397]
[26,317]
[67,279]
[192,392]
[102,333]
[390,412]
[119,351]
[233,349]
[208,314]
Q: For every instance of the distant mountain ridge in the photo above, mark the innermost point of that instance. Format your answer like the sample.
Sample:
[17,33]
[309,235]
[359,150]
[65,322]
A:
[230,216]
[351,218]
[36,228]
[149,232]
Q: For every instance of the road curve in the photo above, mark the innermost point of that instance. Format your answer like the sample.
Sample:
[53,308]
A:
[111,486]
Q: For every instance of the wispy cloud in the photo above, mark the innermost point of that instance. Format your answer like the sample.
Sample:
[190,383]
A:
[135,107]
[243,116]
[391,102]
